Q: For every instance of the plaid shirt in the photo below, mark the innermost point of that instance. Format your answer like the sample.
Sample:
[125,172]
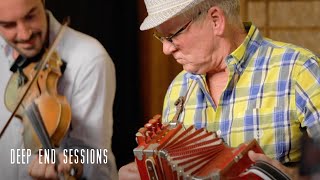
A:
[272,95]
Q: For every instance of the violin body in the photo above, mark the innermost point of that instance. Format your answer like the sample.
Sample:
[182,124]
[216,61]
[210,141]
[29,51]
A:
[54,109]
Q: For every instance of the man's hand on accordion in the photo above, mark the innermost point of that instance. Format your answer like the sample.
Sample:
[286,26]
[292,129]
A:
[292,173]
[129,172]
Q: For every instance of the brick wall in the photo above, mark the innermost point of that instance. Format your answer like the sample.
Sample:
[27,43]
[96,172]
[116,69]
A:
[294,21]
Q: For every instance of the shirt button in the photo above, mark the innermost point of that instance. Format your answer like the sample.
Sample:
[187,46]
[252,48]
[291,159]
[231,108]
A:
[258,134]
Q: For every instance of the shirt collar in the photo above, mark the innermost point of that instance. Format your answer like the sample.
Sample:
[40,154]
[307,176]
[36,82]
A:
[252,36]
[54,26]
[240,57]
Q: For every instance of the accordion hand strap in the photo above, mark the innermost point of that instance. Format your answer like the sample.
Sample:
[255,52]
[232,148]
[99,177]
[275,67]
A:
[266,171]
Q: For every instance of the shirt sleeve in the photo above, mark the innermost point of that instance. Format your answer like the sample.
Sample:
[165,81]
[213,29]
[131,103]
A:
[92,114]
[308,97]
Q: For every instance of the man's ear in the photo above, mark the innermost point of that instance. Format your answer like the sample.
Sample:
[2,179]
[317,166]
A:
[218,19]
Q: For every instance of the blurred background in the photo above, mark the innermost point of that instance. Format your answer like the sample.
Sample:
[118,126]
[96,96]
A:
[144,73]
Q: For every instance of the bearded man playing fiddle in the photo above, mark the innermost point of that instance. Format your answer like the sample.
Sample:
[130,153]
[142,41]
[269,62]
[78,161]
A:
[88,83]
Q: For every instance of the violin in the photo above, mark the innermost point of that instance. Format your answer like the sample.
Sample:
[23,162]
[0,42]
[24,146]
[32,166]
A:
[42,103]
[31,95]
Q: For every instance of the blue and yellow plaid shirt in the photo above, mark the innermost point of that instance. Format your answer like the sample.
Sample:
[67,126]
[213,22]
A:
[272,95]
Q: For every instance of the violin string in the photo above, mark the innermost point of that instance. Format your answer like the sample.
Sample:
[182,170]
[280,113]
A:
[34,115]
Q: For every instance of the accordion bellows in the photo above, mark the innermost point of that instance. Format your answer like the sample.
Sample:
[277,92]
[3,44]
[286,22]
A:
[169,151]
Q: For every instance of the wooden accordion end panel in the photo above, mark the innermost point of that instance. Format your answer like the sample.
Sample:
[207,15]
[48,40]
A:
[171,152]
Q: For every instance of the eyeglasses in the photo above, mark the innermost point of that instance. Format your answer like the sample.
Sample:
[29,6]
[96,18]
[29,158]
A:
[169,38]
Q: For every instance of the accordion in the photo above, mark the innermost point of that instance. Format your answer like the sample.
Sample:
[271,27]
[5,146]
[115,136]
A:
[170,151]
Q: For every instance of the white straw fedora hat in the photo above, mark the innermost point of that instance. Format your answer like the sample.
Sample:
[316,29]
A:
[160,11]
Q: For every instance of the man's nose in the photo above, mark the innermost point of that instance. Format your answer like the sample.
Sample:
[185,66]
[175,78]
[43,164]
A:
[24,32]
[168,47]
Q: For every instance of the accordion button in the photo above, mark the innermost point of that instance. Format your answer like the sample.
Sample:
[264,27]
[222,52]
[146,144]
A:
[218,132]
